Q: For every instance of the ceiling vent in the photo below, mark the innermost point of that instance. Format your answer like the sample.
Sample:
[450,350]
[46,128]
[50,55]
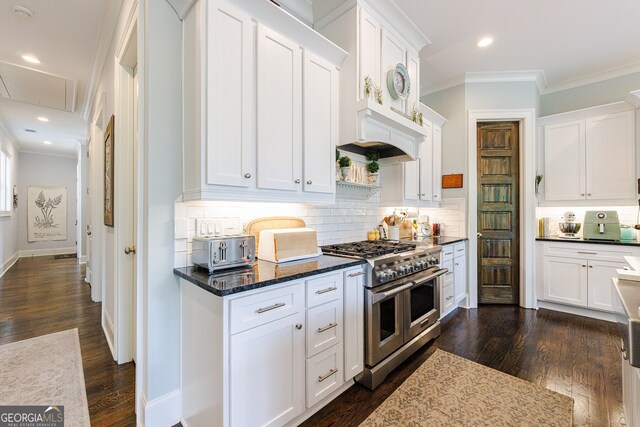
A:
[30,130]
[22,11]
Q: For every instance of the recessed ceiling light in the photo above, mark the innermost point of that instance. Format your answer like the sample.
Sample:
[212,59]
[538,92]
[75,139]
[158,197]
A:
[43,119]
[486,41]
[31,58]
[46,142]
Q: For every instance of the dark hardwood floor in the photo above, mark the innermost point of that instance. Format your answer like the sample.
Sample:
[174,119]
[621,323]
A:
[572,355]
[42,295]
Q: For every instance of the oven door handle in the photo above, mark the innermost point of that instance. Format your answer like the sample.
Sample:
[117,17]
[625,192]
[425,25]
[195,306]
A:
[384,295]
[430,277]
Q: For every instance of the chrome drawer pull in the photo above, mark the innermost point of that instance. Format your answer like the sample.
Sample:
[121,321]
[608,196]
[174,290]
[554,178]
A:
[448,253]
[588,253]
[326,328]
[327,375]
[324,291]
[448,298]
[361,273]
[271,307]
[460,250]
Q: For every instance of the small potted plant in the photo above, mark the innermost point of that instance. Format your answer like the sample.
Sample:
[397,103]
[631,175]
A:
[368,86]
[378,94]
[373,166]
[345,166]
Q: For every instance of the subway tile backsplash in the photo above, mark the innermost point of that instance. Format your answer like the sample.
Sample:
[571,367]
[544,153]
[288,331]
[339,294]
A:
[348,219]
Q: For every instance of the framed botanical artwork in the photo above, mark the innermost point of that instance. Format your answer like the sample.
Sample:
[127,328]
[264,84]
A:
[109,145]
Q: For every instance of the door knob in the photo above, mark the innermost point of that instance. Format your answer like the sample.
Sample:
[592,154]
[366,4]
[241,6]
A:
[130,250]
[479,235]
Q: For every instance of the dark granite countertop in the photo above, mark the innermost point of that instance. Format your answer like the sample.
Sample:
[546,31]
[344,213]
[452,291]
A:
[430,242]
[262,273]
[593,242]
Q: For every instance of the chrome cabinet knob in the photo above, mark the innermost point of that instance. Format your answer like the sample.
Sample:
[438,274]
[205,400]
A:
[247,175]
[309,182]
[297,181]
[299,326]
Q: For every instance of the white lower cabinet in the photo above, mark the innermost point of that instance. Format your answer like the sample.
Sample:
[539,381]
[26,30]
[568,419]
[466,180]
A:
[268,373]
[273,356]
[631,393]
[579,274]
[454,283]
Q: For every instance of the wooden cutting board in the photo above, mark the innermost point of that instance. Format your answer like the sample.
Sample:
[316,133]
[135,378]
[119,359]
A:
[255,226]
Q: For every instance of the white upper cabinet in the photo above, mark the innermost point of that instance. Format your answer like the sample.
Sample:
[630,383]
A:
[369,50]
[413,67]
[426,165]
[393,52]
[230,74]
[610,156]
[589,154]
[279,109]
[411,181]
[437,163]
[320,124]
[564,154]
[252,122]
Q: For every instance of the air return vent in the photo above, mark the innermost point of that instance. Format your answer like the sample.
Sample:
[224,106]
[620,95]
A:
[37,88]
[30,130]
[22,11]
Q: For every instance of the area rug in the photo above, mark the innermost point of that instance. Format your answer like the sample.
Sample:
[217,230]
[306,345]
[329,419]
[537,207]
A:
[448,390]
[46,370]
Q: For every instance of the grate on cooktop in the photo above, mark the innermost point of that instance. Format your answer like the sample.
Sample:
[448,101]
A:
[368,249]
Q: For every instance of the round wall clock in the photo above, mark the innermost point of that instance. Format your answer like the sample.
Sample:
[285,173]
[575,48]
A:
[398,82]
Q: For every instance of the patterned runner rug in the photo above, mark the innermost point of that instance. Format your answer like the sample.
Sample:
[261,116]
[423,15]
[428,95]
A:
[46,370]
[448,390]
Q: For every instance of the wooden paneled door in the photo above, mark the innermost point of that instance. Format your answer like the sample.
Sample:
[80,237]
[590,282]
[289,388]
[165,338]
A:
[498,230]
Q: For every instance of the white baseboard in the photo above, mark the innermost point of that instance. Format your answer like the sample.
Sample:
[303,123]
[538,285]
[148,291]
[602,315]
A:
[9,263]
[579,311]
[107,327]
[47,251]
[82,259]
[164,411]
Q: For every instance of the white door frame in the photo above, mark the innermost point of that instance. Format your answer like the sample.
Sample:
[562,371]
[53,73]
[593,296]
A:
[527,119]
[96,189]
[125,283]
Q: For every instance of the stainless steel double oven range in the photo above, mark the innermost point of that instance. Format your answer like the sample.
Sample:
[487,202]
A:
[402,301]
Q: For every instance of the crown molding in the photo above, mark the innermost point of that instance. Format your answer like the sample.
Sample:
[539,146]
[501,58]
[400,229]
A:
[447,84]
[536,76]
[12,138]
[608,74]
[634,98]
[54,154]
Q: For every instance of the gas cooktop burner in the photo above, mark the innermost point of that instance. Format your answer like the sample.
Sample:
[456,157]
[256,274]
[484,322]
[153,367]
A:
[368,249]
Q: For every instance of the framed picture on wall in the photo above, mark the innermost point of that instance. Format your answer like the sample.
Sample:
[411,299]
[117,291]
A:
[109,140]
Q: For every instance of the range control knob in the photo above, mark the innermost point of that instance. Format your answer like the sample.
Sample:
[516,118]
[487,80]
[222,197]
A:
[383,277]
[392,274]
[410,269]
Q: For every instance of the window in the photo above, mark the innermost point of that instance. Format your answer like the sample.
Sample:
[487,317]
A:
[6,192]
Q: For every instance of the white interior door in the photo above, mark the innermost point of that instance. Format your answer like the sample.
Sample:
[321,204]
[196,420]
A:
[134,209]
[87,213]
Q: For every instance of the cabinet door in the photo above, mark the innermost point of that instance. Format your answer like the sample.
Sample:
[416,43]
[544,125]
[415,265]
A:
[610,154]
[413,67]
[320,124]
[230,100]
[600,284]
[426,165]
[279,109]
[353,322]
[411,189]
[393,52]
[447,299]
[564,161]
[368,50]
[460,276]
[565,280]
[280,373]
[437,163]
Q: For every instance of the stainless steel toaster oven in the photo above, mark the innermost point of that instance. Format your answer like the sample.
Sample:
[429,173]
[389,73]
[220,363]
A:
[222,252]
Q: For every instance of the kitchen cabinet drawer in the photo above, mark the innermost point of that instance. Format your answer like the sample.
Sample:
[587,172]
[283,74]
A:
[255,310]
[447,300]
[324,374]
[323,289]
[448,277]
[324,327]
[460,249]
[588,251]
[447,253]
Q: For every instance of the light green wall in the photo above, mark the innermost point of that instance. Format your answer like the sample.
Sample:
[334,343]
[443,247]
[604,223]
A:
[600,93]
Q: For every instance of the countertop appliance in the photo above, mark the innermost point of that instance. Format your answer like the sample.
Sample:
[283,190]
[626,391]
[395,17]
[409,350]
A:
[402,301]
[222,252]
[601,225]
[288,244]
[569,228]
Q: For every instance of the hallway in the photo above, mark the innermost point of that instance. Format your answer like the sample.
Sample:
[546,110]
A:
[42,295]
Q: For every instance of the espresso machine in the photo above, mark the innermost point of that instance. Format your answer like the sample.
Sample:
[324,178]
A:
[601,225]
